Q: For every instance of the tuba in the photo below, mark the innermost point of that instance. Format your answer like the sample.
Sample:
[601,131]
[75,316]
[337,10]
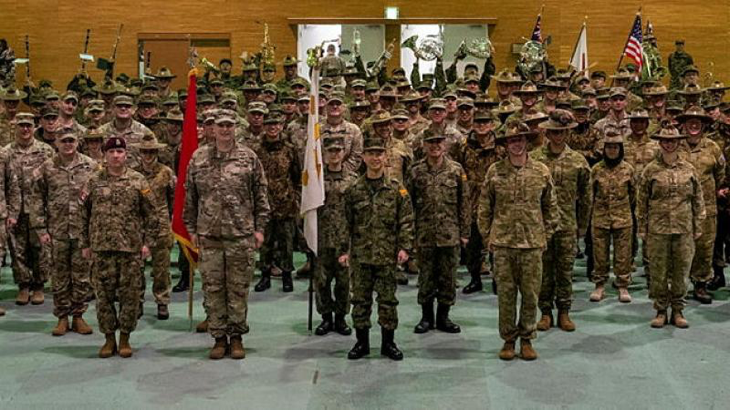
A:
[428,49]
[477,48]
[532,54]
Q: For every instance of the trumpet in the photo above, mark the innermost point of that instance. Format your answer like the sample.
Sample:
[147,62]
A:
[383,59]
[267,49]
[209,67]
[356,41]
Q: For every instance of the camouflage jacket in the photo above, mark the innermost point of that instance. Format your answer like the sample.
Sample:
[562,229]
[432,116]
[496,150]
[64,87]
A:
[571,176]
[622,126]
[331,217]
[709,163]
[57,196]
[24,161]
[249,138]
[639,152]
[670,199]
[452,137]
[399,160]
[517,206]
[284,175]
[132,135]
[10,195]
[379,220]
[162,183]
[353,142]
[476,159]
[587,143]
[440,203]
[614,195]
[119,213]
[226,193]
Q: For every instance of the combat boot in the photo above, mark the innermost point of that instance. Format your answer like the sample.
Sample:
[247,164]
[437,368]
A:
[341,326]
[286,282]
[23,297]
[326,325]
[362,347]
[2,311]
[475,285]
[678,319]
[718,280]
[598,293]
[427,322]
[237,350]
[526,350]
[546,321]
[623,295]
[38,296]
[140,312]
[219,348]
[564,321]
[163,313]
[660,320]
[264,283]
[388,347]
[202,327]
[443,323]
[125,349]
[61,328]
[494,286]
[110,346]
[508,351]
[183,284]
[700,293]
[80,326]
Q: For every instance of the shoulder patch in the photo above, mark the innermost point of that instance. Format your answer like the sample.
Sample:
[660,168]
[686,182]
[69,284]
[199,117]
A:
[403,192]
[463,176]
[145,191]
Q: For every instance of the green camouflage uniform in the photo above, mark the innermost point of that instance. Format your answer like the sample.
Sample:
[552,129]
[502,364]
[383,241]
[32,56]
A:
[571,176]
[9,197]
[399,160]
[380,223]
[118,219]
[517,215]
[670,211]
[225,204]
[353,142]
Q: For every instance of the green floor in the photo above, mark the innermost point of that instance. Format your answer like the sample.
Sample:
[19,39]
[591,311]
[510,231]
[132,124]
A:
[613,360]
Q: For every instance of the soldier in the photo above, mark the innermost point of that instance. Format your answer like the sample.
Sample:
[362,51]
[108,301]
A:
[280,161]
[670,211]
[31,262]
[678,61]
[333,241]
[251,135]
[48,128]
[416,121]
[119,220]
[613,184]
[336,123]
[517,238]
[437,126]
[164,78]
[380,227]
[290,74]
[571,174]
[161,180]
[9,193]
[440,194]
[583,138]
[466,115]
[616,117]
[56,217]
[67,118]
[226,210]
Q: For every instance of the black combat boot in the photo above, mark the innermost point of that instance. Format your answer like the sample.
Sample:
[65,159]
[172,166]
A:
[326,325]
[475,285]
[718,280]
[388,347]
[700,293]
[443,323]
[265,281]
[494,285]
[341,326]
[362,347]
[427,322]
[287,285]
[183,285]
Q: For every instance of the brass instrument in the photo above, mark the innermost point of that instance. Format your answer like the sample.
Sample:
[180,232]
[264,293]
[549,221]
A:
[428,49]
[383,59]
[315,54]
[209,67]
[267,49]
[709,77]
[478,48]
[356,42]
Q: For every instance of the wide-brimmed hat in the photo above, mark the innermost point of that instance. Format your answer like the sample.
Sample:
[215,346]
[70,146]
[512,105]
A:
[559,120]
[13,94]
[515,128]
[528,88]
[717,86]
[668,132]
[506,107]
[657,90]
[149,142]
[411,96]
[691,89]
[505,76]
[639,114]
[382,116]
[695,112]
[164,73]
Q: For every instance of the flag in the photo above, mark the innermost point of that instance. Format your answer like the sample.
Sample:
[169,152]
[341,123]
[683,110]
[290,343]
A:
[634,49]
[189,145]
[580,54]
[537,31]
[313,175]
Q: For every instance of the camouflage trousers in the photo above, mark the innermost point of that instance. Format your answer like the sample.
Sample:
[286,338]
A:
[70,279]
[517,270]
[671,258]
[226,266]
[327,269]
[161,282]
[622,244]
[31,262]
[437,274]
[557,272]
[474,252]
[635,243]
[116,277]
[365,280]
[278,247]
[701,269]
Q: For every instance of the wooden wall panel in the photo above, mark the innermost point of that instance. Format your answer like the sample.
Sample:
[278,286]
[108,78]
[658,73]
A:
[56,27]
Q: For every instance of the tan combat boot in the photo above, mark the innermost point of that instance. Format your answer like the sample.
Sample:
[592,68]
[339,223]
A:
[23,297]
[61,328]
[219,349]
[526,350]
[237,350]
[110,346]
[545,322]
[623,295]
[660,320]
[2,311]
[80,326]
[598,293]
[125,350]
[202,327]
[564,321]
[38,297]
[508,351]
[678,319]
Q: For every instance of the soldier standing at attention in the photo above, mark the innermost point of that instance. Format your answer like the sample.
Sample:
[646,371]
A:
[226,210]
[440,194]
[670,212]
[380,226]
[9,193]
[517,239]
[679,60]
[119,219]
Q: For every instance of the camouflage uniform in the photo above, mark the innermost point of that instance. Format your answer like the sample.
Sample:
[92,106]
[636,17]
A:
[452,137]
[31,262]
[10,195]
[571,176]
[225,204]
[353,142]
[622,126]
[399,161]
[670,211]
[118,219]
[380,223]
[587,143]
[517,215]
[132,134]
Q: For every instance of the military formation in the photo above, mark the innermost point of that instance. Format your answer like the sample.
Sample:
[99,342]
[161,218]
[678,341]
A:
[506,173]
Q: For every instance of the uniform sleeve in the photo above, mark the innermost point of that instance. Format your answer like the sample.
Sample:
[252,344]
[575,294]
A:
[190,210]
[296,173]
[698,205]
[642,201]
[549,208]
[405,221]
[485,211]
[354,157]
[349,216]
[12,189]
[718,170]
[37,200]
[86,206]
[585,197]
[150,214]
[440,77]
[260,193]
[487,73]
[463,204]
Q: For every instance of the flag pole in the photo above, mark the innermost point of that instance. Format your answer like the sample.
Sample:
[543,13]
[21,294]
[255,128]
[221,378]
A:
[623,51]
[193,54]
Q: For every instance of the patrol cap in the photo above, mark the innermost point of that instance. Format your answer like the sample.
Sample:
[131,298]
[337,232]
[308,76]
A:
[216,81]
[374,144]
[579,105]
[359,82]
[175,115]
[67,133]
[70,95]
[465,103]
[400,114]
[589,91]
[437,104]
[49,112]
[333,142]
[450,94]
[206,99]
[228,97]
[471,79]
[273,118]
[617,91]
[270,88]
[430,136]
[93,133]
[115,142]
[336,96]
[484,116]
[639,114]
[225,116]
[51,96]
[123,100]
[287,96]
[257,106]
[147,100]
[24,118]
[357,105]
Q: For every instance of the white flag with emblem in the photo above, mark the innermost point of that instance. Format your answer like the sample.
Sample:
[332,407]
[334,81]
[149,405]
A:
[580,54]
[313,174]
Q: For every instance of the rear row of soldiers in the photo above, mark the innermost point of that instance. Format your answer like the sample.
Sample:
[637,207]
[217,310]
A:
[416,177]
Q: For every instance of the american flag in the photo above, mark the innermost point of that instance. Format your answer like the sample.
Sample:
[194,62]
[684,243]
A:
[634,49]
[537,31]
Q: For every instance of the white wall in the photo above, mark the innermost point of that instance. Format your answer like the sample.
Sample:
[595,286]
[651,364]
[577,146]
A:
[311,35]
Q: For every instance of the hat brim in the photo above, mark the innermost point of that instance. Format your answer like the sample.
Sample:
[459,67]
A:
[149,147]
[666,137]
[684,117]
[550,125]
[502,139]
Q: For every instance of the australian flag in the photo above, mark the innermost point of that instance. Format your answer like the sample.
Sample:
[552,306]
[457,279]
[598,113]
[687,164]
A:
[537,31]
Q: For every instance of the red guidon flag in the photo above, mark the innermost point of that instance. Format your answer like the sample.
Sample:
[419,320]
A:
[189,145]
